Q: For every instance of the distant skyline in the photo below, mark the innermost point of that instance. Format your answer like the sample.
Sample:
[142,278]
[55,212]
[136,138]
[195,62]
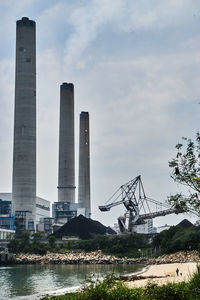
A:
[135,66]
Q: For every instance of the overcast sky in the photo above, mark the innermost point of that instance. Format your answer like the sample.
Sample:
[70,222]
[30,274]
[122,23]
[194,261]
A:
[135,66]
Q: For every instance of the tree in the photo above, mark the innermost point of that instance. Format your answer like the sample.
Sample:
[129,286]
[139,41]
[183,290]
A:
[186,171]
[52,241]
[37,246]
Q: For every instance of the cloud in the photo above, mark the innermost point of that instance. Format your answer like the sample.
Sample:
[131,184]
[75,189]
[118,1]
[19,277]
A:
[6,122]
[88,21]
[140,88]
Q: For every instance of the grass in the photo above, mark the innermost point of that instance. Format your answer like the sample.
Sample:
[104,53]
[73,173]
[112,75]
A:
[109,289]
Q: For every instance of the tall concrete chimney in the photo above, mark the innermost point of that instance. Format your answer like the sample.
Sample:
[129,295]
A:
[66,171]
[84,164]
[24,156]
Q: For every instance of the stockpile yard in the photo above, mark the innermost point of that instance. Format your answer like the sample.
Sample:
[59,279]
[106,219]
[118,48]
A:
[83,228]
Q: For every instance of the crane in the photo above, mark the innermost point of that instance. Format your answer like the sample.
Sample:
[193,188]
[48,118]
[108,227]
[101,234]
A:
[137,204]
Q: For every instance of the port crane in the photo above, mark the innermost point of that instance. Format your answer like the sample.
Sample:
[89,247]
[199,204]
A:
[137,204]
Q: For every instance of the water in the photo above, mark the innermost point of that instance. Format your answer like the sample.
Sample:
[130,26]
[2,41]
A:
[28,282]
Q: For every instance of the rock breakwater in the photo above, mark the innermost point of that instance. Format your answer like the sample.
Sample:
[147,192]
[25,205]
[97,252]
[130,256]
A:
[74,258]
[178,257]
[97,257]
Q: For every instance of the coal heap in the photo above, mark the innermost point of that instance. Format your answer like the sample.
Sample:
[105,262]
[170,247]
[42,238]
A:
[83,228]
[185,224]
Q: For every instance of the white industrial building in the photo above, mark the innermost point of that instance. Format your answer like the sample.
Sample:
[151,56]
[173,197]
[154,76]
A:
[62,212]
[164,227]
[42,206]
[6,234]
[145,228]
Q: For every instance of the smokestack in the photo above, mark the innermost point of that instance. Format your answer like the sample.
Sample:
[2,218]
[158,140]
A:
[84,164]
[66,177]
[24,156]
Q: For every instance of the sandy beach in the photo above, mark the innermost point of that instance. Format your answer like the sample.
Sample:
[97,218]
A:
[168,271]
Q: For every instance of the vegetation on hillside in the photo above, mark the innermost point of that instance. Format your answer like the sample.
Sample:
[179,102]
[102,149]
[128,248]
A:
[177,238]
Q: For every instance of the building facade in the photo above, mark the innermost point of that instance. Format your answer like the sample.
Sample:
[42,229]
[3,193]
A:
[8,218]
[145,228]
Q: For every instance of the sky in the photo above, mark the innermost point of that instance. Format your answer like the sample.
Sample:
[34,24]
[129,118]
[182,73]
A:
[135,66]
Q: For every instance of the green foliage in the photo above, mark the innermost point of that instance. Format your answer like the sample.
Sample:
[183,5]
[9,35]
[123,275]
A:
[186,171]
[177,238]
[16,246]
[52,241]
[103,290]
[109,289]
[168,241]
[178,291]
[118,245]
[121,246]
[26,245]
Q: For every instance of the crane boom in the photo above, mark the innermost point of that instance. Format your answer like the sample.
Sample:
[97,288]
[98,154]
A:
[109,206]
[159,214]
[133,197]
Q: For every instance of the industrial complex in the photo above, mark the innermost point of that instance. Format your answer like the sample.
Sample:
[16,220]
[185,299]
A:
[23,209]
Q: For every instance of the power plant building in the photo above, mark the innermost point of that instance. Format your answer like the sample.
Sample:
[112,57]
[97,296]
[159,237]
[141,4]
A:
[24,154]
[6,214]
[84,164]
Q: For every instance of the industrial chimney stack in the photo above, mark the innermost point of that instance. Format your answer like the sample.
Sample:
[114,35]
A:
[24,155]
[84,164]
[66,171]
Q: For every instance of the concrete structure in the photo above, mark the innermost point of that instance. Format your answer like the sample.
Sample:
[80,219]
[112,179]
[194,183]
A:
[6,234]
[84,164]
[66,170]
[144,228]
[5,206]
[6,220]
[161,228]
[46,225]
[62,212]
[115,227]
[24,156]
[42,210]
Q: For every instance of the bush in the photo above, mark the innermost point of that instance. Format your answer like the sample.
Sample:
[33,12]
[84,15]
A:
[177,238]
[109,289]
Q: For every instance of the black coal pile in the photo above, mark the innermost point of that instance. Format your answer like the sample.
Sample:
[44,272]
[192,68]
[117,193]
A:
[83,228]
[185,224]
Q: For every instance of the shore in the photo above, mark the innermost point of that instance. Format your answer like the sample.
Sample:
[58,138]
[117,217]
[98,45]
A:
[96,257]
[163,274]
[159,274]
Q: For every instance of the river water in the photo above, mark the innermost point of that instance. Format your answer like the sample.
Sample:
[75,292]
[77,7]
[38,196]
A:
[28,282]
